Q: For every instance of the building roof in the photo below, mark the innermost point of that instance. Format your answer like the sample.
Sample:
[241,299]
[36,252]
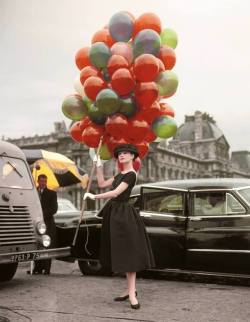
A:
[186,132]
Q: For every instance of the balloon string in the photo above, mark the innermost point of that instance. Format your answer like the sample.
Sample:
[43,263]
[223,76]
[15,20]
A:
[84,201]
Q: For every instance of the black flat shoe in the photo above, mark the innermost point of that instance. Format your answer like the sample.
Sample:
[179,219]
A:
[123,298]
[135,306]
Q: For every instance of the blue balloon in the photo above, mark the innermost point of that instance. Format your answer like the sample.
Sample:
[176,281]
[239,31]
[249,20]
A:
[147,41]
[121,26]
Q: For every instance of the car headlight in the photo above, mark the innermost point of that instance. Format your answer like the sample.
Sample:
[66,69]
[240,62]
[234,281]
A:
[41,227]
[46,240]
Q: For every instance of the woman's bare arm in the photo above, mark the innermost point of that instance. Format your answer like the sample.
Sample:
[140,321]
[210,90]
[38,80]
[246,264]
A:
[102,183]
[113,193]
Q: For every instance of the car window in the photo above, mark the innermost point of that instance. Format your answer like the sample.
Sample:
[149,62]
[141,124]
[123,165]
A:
[213,203]
[66,206]
[135,201]
[233,205]
[162,201]
[245,193]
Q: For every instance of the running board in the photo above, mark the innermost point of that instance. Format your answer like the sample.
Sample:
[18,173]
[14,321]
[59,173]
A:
[199,273]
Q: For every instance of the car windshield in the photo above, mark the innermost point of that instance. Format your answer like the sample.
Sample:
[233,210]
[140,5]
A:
[245,193]
[14,173]
[66,205]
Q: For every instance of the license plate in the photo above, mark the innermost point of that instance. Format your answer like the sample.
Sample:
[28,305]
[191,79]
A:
[25,257]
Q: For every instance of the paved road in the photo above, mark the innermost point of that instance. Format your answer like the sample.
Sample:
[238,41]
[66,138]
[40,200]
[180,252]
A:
[66,296]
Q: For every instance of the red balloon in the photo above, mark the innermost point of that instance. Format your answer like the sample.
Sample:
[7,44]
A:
[122,81]
[150,113]
[116,125]
[82,58]
[123,49]
[146,94]
[167,110]
[92,134]
[142,148]
[88,71]
[84,123]
[112,142]
[103,36]
[146,68]
[116,62]
[150,137]
[167,56]
[136,164]
[147,20]
[161,65]
[76,131]
[93,85]
[137,129]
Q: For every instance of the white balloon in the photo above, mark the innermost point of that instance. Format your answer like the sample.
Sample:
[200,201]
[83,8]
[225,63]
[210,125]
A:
[78,86]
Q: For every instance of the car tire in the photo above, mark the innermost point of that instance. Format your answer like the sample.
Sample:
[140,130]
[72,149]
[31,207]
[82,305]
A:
[92,268]
[7,271]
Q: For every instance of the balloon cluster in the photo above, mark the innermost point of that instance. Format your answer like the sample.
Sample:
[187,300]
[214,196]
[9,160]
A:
[125,77]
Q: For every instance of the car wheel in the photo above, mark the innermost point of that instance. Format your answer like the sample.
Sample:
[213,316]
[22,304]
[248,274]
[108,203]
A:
[92,268]
[7,271]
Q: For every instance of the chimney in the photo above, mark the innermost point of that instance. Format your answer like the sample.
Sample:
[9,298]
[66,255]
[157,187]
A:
[197,126]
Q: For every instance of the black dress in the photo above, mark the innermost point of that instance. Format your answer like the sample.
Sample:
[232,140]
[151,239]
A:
[125,246]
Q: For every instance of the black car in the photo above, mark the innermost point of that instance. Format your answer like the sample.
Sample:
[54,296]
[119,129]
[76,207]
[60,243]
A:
[194,225]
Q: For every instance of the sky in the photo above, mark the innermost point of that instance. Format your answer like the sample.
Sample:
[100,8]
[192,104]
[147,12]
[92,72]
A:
[39,40]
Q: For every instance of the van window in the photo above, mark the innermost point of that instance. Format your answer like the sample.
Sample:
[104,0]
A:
[163,201]
[14,173]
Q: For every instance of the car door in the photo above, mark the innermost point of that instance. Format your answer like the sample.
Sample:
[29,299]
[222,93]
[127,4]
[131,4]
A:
[218,232]
[163,212]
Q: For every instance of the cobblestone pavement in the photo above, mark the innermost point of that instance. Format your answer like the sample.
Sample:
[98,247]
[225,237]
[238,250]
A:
[66,296]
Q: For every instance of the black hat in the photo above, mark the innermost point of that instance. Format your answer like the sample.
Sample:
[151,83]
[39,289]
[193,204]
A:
[126,147]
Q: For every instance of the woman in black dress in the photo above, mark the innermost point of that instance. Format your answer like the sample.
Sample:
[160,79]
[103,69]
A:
[125,246]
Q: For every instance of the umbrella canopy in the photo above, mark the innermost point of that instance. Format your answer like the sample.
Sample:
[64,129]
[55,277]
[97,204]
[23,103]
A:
[60,170]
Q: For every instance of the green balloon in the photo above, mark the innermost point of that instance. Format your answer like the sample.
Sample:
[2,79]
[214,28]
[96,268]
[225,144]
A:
[128,106]
[107,101]
[96,115]
[99,54]
[164,127]
[74,107]
[167,83]
[169,37]
[87,101]
[105,154]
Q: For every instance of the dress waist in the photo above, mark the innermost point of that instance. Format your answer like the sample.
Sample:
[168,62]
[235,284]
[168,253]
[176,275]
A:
[119,200]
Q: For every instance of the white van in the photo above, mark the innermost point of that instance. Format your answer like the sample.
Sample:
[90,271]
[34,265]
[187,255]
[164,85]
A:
[22,229]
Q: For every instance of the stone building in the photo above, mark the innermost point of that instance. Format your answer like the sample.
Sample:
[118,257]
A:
[198,150]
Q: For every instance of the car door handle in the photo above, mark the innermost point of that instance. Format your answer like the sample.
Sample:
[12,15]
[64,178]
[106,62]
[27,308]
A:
[195,219]
[146,215]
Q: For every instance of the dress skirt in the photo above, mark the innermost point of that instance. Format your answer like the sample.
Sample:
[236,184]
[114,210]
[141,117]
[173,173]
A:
[125,246]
